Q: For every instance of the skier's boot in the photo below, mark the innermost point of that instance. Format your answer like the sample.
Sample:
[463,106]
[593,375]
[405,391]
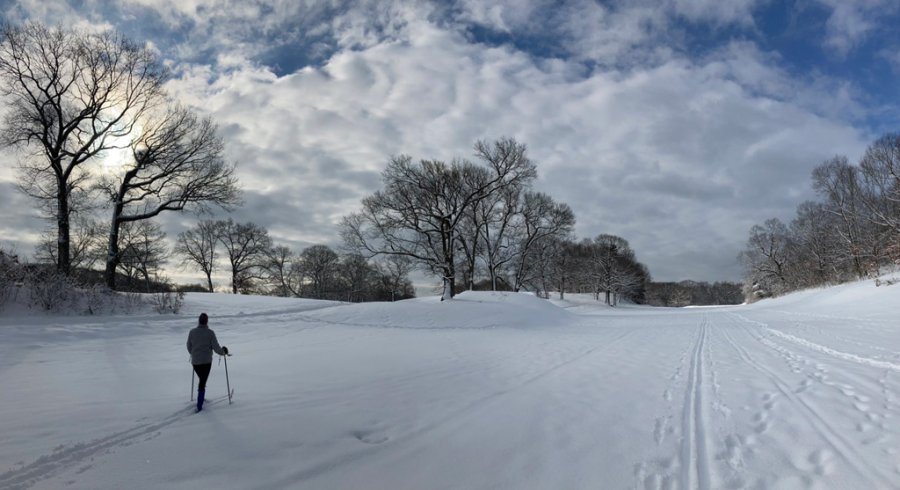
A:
[200,394]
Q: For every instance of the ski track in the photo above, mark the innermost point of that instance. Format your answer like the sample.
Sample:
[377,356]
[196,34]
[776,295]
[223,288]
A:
[877,363]
[842,446]
[65,457]
[695,465]
[695,458]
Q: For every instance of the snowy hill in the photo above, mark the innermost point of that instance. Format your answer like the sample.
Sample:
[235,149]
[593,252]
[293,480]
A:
[490,390]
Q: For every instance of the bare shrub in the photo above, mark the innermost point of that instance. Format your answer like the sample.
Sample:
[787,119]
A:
[10,277]
[49,290]
[167,301]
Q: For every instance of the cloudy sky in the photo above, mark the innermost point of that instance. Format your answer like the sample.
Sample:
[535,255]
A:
[676,124]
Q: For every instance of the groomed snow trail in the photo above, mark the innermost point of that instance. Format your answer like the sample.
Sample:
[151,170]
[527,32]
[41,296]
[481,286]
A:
[491,391]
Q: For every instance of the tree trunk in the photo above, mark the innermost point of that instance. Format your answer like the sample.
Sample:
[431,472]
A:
[112,255]
[449,280]
[448,288]
[209,281]
[63,265]
[112,249]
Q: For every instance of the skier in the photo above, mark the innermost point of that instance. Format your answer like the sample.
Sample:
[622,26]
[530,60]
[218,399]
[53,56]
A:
[201,343]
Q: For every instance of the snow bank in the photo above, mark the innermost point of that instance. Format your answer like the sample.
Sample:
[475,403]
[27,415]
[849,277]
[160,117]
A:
[864,298]
[230,305]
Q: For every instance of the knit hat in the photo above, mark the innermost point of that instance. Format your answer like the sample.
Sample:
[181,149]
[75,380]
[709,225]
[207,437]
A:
[203,319]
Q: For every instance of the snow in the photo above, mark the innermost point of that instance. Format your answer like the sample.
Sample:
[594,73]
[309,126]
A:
[489,390]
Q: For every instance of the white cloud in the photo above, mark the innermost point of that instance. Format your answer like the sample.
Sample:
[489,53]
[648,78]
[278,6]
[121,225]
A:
[681,159]
[719,12]
[850,22]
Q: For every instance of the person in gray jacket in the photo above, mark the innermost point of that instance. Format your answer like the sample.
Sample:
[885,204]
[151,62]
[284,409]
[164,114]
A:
[201,343]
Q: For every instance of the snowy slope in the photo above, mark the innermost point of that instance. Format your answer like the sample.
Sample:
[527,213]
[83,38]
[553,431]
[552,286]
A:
[485,391]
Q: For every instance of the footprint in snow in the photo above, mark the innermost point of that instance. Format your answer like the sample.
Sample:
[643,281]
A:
[822,460]
[370,437]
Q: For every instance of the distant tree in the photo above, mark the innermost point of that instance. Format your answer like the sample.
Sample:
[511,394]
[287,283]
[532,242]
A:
[818,259]
[177,163]
[497,213]
[839,183]
[630,279]
[766,258]
[664,294]
[319,264]
[245,246]
[71,96]
[143,252]
[394,270]
[687,293]
[358,278]
[547,270]
[880,168]
[197,247]
[279,264]
[542,221]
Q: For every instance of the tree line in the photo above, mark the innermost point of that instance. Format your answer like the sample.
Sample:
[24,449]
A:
[258,266]
[849,233]
[687,293]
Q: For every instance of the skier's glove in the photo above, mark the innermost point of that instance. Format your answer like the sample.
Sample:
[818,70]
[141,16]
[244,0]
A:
[225,350]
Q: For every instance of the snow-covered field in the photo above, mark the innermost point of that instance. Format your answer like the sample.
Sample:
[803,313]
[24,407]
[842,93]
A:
[485,391]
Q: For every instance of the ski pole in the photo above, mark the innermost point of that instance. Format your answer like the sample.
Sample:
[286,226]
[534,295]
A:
[227,382]
[192,382]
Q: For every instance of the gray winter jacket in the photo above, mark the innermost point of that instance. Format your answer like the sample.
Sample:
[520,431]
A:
[201,343]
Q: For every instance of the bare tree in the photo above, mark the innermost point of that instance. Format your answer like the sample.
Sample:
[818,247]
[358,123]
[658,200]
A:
[245,245]
[818,249]
[357,278]
[197,247]
[419,211]
[319,264]
[470,244]
[541,219]
[395,271]
[177,164]
[143,251]
[70,97]
[839,183]
[497,212]
[86,243]
[880,168]
[629,278]
[497,215]
[279,266]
